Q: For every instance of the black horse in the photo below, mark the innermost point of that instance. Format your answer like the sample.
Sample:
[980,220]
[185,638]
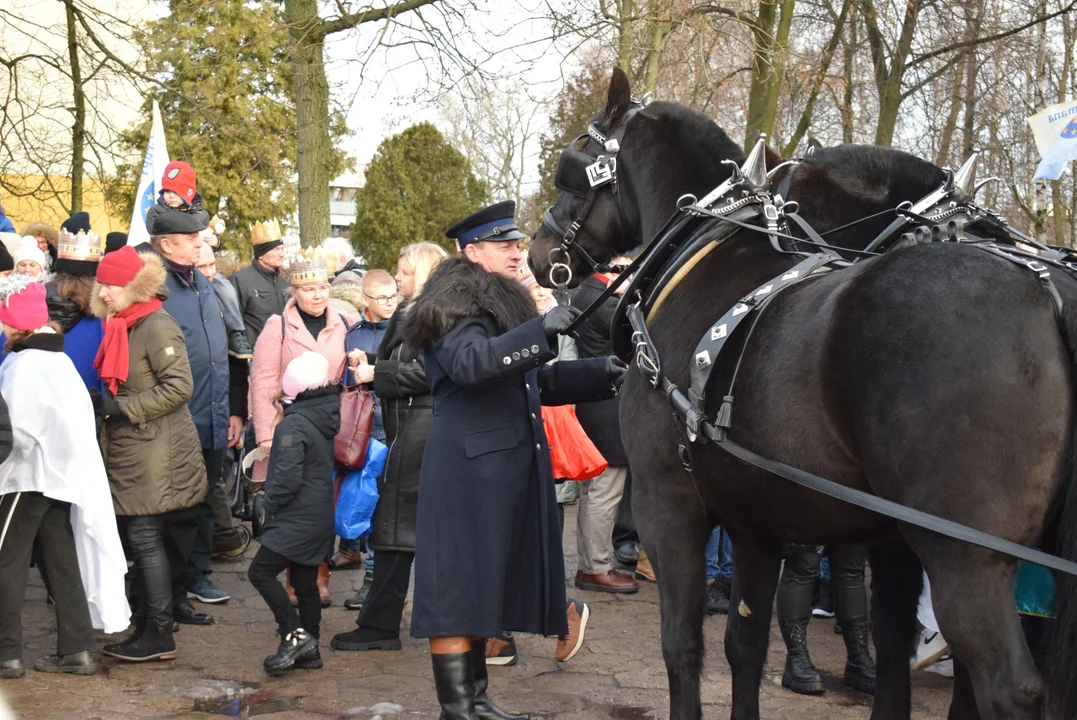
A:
[935,376]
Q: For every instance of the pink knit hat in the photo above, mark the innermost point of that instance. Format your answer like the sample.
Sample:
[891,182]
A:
[24,308]
[306,372]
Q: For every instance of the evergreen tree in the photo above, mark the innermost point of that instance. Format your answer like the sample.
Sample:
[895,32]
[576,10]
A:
[227,107]
[416,186]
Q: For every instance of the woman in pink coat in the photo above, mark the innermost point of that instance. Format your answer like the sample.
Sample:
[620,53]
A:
[308,325]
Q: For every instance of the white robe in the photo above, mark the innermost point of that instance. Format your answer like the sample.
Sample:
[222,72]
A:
[55,452]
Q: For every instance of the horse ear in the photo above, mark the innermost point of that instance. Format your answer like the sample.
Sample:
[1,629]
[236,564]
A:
[619,98]
[814,144]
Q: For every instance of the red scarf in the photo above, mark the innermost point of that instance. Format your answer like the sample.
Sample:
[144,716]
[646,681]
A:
[113,359]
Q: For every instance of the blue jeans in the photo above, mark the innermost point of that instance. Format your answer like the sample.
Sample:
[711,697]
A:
[719,555]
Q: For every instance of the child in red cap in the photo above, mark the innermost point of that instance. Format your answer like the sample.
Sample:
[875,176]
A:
[179,191]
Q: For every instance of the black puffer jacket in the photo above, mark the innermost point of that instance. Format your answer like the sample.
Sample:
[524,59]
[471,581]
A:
[299,486]
[65,313]
[408,410]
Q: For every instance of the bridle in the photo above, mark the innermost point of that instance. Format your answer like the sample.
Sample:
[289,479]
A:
[584,175]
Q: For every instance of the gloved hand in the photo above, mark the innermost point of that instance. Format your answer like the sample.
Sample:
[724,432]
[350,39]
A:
[557,320]
[110,408]
[615,371]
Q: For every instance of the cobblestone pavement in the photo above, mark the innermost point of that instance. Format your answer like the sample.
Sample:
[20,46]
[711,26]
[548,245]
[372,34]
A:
[619,673]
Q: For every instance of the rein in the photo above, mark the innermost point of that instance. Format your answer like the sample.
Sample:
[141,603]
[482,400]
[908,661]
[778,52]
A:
[689,406]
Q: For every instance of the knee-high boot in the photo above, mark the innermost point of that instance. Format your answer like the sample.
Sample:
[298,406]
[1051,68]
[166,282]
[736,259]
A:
[454,677]
[484,707]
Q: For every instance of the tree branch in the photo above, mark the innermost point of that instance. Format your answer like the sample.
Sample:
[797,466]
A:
[351,20]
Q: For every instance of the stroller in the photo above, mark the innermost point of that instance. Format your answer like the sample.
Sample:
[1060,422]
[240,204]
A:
[244,496]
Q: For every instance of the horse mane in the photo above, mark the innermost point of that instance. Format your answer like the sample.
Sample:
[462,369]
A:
[694,129]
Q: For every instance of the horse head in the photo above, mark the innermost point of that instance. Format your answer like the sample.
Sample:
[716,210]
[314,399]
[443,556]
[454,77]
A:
[627,168]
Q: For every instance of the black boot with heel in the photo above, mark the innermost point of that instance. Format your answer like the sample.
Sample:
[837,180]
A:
[454,677]
[484,707]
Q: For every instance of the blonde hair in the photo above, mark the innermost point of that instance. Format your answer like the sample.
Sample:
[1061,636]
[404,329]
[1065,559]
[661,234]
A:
[420,259]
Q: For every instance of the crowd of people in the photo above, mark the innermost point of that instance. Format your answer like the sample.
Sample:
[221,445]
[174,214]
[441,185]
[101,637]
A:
[132,376]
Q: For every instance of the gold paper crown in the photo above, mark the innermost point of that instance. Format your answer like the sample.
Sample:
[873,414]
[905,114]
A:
[85,246]
[265,232]
[308,267]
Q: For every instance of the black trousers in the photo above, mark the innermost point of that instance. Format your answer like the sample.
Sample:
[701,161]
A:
[847,576]
[384,606]
[198,565]
[33,523]
[160,546]
[263,572]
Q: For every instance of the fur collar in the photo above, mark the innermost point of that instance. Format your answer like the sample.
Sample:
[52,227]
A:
[350,293]
[459,288]
[147,284]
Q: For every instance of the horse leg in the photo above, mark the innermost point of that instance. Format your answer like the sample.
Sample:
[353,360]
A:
[972,592]
[897,579]
[963,704]
[675,540]
[756,567]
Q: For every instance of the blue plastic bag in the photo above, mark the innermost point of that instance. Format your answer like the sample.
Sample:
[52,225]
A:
[359,494]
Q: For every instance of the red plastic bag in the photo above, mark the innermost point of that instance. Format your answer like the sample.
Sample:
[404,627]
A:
[573,455]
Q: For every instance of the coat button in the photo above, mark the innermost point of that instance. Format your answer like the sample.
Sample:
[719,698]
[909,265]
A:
[516,356]
[533,416]
[527,387]
[539,446]
[535,349]
[507,360]
[525,353]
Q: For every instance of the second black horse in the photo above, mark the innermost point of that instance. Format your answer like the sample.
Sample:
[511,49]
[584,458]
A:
[935,376]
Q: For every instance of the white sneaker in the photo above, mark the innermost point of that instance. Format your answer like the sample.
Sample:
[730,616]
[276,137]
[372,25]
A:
[944,667]
[930,648]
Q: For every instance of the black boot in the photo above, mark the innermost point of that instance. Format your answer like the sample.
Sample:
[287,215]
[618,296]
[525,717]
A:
[310,660]
[154,644]
[859,667]
[800,675]
[76,664]
[294,645]
[484,707]
[139,622]
[454,676]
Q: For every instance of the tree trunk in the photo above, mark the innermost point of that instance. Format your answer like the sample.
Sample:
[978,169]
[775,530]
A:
[1057,201]
[890,96]
[627,8]
[974,11]
[848,67]
[1039,191]
[817,84]
[956,103]
[660,30]
[78,129]
[762,70]
[313,149]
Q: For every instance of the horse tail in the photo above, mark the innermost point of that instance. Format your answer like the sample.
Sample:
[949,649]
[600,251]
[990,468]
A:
[1056,647]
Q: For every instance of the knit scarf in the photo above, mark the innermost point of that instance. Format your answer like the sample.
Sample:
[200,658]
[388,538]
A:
[113,360]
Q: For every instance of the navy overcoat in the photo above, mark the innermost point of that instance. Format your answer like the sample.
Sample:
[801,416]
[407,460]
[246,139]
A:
[488,544]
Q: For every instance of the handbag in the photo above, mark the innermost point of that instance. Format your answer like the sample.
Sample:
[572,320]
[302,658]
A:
[572,454]
[356,426]
[356,420]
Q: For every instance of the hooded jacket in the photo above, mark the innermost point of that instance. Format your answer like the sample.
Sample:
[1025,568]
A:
[299,487]
[152,454]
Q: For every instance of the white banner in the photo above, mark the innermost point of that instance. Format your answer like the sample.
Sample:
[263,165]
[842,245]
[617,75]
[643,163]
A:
[153,169]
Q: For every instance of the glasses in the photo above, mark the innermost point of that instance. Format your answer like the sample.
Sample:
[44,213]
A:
[384,299]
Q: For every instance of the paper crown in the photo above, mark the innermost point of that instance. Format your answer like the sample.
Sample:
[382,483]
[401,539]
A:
[308,267]
[84,246]
[268,231]
[13,285]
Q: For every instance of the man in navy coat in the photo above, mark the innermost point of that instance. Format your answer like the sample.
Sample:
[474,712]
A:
[488,546]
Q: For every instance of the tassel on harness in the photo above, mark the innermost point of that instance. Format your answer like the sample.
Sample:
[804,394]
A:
[725,417]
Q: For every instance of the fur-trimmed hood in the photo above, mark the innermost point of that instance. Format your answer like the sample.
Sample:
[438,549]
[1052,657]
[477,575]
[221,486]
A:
[459,288]
[147,284]
[350,293]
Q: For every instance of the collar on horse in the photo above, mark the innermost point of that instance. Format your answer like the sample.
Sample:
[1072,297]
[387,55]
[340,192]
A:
[745,203]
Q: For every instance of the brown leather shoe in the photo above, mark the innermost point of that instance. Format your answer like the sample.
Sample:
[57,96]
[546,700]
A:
[346,558]
[644,571]
[610,581]
[567,647]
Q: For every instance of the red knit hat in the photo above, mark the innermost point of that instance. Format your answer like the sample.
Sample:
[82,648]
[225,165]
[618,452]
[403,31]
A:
[120,267]
[179,177]
[25,309]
